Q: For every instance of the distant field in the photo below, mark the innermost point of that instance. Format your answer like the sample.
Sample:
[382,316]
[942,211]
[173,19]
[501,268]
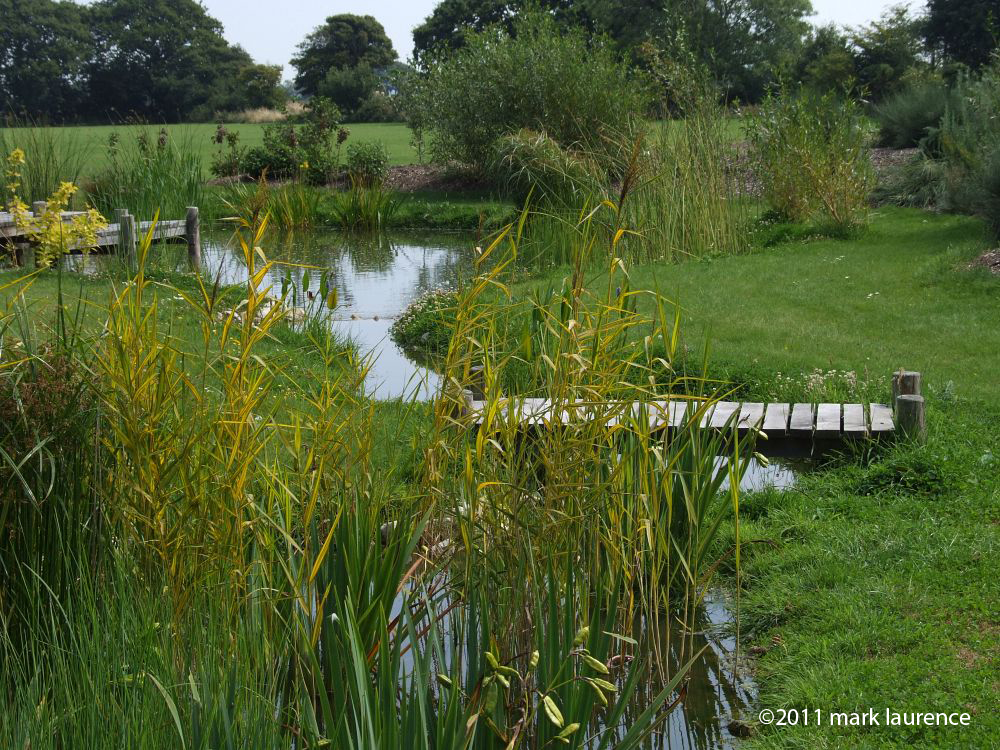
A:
[92,140]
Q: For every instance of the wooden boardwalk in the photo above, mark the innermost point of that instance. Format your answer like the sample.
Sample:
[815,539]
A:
[784,429]
[121,236]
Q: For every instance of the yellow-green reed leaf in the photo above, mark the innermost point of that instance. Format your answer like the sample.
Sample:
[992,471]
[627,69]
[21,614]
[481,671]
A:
[492,660]
[444,680]
[331,299]
[508,671]
[623,638]
[595,664]
[552,711]
[321,555]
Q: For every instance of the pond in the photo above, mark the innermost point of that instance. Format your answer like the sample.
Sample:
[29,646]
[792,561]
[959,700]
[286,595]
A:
[376,277]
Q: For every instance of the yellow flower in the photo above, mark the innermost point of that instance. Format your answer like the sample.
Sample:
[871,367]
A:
[304,165]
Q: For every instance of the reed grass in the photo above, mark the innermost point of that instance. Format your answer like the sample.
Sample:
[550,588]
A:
[149,175]
[238,570]
[51,157]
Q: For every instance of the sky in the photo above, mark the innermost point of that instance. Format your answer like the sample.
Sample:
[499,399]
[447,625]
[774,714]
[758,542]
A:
[271,29]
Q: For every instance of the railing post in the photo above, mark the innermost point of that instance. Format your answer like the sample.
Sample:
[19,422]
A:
[38,208]
[127,238]
[192,232]
[911,419]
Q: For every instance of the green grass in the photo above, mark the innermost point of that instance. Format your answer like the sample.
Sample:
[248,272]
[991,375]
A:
[881,588]
[93,139]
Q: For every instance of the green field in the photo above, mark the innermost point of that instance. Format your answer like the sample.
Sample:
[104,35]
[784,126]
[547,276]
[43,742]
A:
[91,141]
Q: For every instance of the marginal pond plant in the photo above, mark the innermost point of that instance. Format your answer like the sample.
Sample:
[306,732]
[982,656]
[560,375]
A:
[216,559]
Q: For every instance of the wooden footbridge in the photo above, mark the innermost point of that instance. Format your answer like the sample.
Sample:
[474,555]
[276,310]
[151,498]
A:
[122,236]
[782,429]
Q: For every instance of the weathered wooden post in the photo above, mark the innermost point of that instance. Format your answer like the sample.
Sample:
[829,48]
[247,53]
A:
[909,404]
[127,238]
[192,231]
[905,382]
[38,208]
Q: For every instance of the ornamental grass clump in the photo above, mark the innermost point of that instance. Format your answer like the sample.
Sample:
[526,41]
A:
[811,157]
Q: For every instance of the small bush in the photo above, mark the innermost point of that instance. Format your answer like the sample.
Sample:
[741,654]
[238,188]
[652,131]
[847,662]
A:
[811,158]
[574,89]
[906,118]
[367,163]
[528,161]
[427,323]
[310,151]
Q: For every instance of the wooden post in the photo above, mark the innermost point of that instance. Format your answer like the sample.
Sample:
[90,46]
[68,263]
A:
[120,214]
[905,383]
[477,383]
[910,418]
[127,238]
[192,231]
[38,207]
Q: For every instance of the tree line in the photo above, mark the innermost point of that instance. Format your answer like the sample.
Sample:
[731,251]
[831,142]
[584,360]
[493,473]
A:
[167,60]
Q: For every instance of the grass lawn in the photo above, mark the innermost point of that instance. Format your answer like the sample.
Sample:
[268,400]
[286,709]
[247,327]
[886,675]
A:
[881,590]
[90,141]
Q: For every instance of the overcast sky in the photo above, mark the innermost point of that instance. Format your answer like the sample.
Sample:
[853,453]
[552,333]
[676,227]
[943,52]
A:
[270,29]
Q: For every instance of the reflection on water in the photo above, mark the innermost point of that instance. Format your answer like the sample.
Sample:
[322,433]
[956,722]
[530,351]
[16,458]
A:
[718,691]
[376,278]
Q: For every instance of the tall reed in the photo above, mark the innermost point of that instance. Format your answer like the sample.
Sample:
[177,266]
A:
[149,174]
[264,580]
[53,155]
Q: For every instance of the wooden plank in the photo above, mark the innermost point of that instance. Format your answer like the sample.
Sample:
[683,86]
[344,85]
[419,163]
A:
[881,420]
[720,414]
[855,425]
[828,421]
[678,410]
[751,416]
[801,422]
[776,419]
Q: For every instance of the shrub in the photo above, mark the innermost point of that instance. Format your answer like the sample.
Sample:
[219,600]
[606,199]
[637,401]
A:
[811,158]
[367,163]
[906,118]
[958,167]
[379,107]
[427,323]
[528,161]
[575,90]
[310,151]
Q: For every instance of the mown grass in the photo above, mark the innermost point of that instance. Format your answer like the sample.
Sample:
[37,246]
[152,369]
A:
[92,140]
[877,586]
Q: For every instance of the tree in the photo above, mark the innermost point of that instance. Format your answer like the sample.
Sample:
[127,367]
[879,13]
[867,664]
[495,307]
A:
[260,85]
[744,44]
[44,47]
[827,62]
[889,51]
[162,59]
[446,26]
[966,30]
[342,42]
[348,88]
